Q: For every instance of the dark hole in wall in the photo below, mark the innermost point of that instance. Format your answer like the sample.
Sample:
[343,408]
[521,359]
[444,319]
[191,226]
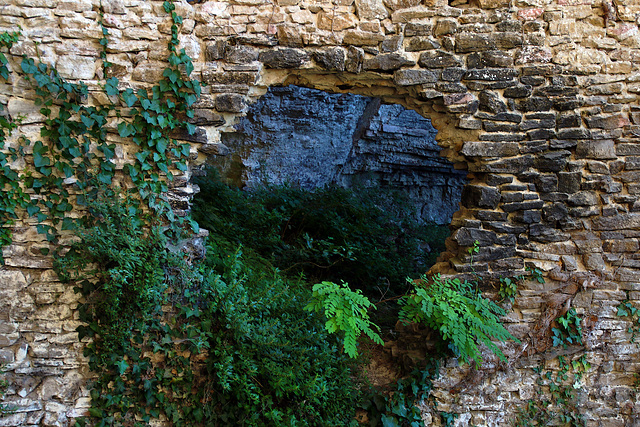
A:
[311,138]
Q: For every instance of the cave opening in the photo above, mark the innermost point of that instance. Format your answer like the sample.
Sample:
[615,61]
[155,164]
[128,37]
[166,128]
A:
[311,139]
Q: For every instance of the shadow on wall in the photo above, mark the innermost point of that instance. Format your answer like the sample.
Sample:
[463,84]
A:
[312,138]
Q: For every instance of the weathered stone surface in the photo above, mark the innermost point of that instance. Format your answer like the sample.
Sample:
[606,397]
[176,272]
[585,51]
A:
[371,9]
[362,38]
[414,77]
[489,149]
[471,42]
[387,62]
[241,54]
[283,58]
[438,59]
[490,59]
[355,58]
[417,44]
[491,74]
[479,196]
[232,103]
[331,59]
[76,67]
[490,101]
[602,149]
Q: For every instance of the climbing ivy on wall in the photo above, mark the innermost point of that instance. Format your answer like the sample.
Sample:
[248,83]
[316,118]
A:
[74,157]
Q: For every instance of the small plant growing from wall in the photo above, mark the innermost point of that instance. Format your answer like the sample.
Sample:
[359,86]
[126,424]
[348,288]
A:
[4,385]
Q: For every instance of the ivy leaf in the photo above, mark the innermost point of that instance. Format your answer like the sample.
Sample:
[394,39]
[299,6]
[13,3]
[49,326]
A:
[190,99]
[129,97]
[161,145]
[32,209]
[69,224]
[40,161]
[124,130]
[111,86]
[162,121]
[122,366]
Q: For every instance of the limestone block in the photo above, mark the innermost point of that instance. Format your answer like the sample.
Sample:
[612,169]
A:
[331,59]
[472,42]
[230,103]
[493,4]
[387,62]
[596,149]
[371,9]
[37,3]
[284,58]
[414,77]
[302,17]
[335,21]
[438,59]
[114,6]
[191,45]
[362,38]
[489,149]
[148,71]
[76,67]
[26,110]
[80,28]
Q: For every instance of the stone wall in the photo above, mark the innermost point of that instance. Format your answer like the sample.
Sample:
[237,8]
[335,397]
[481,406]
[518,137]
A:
[536,99]
[311,138]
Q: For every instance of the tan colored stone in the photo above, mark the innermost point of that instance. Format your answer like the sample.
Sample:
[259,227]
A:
[493,4]
[302,17]
[80,28]
[371,9]
[361,38]
[76,67]
[335,22]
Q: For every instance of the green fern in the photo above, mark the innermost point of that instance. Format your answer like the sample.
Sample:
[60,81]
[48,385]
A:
[346,311]
[459,313]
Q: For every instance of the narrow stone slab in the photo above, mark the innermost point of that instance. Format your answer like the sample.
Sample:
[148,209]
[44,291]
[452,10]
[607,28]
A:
[489,149]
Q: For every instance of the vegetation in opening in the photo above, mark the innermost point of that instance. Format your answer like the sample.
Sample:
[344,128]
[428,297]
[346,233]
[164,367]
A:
[236,346]
[367,237]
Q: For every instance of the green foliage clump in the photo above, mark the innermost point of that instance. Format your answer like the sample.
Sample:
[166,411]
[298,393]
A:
[628,310]
[459,313]
[569,329]
[346,312]
[508,289]
[236,348]
[368,238]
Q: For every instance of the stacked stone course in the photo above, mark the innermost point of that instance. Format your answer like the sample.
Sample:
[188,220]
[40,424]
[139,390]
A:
[536,99]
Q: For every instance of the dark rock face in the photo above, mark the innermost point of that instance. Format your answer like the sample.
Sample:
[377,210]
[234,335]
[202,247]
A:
[312,138]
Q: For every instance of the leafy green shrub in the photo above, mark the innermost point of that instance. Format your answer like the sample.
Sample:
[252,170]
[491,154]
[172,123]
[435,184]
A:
[236,348]
[459,313]
[368,238]
[346,311]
